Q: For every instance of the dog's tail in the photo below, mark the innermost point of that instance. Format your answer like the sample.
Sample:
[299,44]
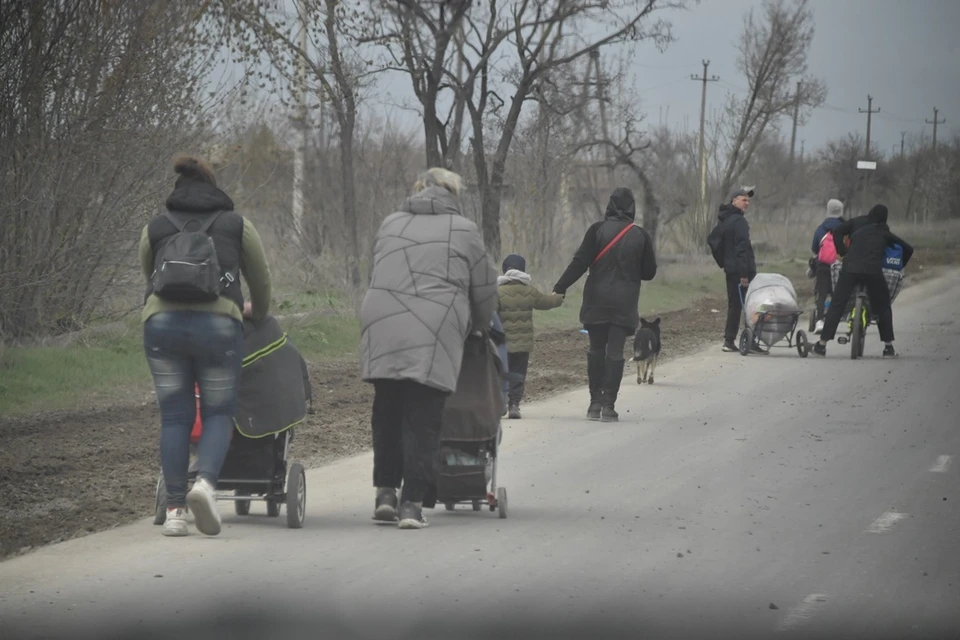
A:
[642,349]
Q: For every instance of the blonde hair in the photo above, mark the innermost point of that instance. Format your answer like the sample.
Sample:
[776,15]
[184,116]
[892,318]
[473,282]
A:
[438,177]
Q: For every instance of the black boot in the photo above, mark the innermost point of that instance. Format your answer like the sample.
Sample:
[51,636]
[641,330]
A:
[595,372]
[613,376]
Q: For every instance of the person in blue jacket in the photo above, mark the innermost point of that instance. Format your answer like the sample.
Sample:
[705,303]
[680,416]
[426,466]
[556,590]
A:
[823,285]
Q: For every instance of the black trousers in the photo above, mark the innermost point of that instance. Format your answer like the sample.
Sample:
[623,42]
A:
[734,308]
[518,363]
[824,286]
[607,340]
[407,417]
[878,293]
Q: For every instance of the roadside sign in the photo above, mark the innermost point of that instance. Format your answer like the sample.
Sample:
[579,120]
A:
[864,164]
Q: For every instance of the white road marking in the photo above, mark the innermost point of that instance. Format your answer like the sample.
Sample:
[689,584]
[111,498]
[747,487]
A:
[886,522]
[942,464]
[803,611]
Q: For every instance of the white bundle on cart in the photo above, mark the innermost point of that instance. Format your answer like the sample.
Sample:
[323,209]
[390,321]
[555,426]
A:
[771,307]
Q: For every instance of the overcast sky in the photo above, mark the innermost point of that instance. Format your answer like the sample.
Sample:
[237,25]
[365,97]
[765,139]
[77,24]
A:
[905,53]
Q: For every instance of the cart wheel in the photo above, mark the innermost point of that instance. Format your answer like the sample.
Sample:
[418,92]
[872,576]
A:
[160,515]
[296,496]
[476,505]
[803,346]
[241,507]
[273,507]
[856,339]
[746,341]
[502,502]
[449,506]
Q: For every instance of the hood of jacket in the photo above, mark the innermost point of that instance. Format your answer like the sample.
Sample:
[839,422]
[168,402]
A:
[621,204]
[193,196]
[878,214]
[432,201]
[514,275]
[829,224]
[727,211]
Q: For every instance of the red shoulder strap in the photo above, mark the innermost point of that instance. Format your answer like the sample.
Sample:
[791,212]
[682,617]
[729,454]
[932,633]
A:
[613,242]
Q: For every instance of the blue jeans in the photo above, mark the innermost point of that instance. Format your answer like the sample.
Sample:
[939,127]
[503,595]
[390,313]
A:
[184,348]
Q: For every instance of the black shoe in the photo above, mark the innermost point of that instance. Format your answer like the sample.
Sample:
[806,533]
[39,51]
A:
[386,506]
[514,412]
[889,351]
[756,348]
[609,414]
[729,347]
[613,376]
[595,374]
[819,349]
[411,516]
[593,411]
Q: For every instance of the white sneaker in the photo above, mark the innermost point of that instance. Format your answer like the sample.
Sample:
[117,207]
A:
[818,328]
[175,526]
[202,499]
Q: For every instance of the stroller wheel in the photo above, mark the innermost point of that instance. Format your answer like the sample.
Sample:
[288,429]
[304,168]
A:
[273,507]
[160,515]
[803,346]
[296,496]
[241,507]
[449,506]
[476,505]
[502,502]
[746,341]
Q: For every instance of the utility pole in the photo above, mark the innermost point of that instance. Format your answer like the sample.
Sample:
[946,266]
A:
[870,111]
[601,102]
[935,122]
[903,135]
[703,152]
[803,146]
[793,144]
[301,143]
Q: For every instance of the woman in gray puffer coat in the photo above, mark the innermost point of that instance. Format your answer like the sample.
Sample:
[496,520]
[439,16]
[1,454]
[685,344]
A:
[432,283]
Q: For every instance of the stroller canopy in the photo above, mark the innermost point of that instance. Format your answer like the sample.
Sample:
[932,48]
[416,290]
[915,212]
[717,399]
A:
[472,413]
[274,385]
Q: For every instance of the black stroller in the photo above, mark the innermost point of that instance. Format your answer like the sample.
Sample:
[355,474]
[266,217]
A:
[272,400]
[471,434]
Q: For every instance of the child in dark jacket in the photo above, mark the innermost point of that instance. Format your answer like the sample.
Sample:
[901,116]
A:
[518,299]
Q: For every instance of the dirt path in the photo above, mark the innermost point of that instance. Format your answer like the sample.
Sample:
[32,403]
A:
[72,473]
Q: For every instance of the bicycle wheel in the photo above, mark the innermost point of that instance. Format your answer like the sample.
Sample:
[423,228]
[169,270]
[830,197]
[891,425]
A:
[856,338]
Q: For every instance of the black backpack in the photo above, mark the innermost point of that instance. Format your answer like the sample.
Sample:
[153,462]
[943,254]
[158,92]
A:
[185,267]
[715,242]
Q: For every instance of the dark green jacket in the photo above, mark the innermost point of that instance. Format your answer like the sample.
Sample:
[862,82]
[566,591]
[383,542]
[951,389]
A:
[518,299]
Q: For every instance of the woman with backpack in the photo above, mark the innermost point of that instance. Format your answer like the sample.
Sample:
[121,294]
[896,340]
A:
[192,256]
[619,255]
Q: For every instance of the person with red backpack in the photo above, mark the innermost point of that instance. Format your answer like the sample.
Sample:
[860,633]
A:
[619,255]
[825,251]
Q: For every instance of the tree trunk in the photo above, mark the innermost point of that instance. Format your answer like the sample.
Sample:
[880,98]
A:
[351,223]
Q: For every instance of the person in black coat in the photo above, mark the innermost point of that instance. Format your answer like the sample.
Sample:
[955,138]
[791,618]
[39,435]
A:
[619,255]
[739,262]
[863,263]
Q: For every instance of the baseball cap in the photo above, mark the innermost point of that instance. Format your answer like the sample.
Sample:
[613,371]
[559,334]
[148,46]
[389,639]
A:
[740,191]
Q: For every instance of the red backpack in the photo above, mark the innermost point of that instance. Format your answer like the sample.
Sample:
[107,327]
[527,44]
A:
[828,250]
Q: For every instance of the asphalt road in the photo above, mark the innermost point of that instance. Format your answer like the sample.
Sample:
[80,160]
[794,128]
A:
[738,497]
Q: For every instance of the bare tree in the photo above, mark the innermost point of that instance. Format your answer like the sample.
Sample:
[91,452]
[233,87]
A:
[334,71]
[95,99]
[509,47]
[773,53]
